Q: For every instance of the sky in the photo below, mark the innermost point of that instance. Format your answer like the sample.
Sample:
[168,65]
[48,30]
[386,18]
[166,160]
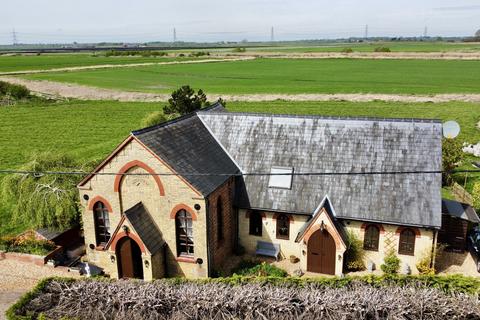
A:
[66,21]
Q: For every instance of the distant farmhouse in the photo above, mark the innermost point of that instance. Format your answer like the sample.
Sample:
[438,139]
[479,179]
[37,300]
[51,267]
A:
[191,192]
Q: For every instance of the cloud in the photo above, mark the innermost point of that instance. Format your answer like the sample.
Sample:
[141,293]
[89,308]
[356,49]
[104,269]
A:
[458,8]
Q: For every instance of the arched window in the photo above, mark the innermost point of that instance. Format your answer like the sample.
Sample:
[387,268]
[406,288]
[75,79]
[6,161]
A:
[407,242]
[255,223]
[283,227]
[184,231]
[102,223]
[219,219]
[371,238]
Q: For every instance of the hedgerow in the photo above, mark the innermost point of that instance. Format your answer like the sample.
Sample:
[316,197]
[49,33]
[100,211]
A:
[239,297]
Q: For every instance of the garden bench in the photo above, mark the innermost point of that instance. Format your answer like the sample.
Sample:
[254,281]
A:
[268,249]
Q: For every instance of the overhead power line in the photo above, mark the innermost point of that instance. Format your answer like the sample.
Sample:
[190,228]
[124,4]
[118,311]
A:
[41,173]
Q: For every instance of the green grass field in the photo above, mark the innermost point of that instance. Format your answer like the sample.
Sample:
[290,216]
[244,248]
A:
[291,76]
[369,47]
[92,129]
[10,63]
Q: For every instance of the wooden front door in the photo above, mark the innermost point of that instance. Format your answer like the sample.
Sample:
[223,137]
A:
[321,253]
[129,257]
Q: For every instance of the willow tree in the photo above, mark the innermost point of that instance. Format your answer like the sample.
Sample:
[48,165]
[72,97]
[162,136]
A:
[45,200]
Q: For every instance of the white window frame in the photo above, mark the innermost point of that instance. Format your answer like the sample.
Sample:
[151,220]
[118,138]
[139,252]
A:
[281,181]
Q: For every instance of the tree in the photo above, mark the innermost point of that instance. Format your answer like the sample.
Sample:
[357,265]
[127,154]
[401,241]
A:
[184,100]
[477,34]
[452,154]
[45,200]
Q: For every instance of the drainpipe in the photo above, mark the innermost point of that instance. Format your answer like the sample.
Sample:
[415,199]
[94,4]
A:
[209,254]
[434,249]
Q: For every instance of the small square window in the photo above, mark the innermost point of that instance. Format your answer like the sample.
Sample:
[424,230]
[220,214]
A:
[281,177]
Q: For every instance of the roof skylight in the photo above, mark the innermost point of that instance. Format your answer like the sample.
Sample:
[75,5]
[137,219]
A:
[281,177]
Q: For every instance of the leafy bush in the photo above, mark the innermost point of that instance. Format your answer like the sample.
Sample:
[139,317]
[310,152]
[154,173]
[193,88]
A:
[391,264]
[155,118]
[15,91]
[143,53]
[476,195]
[347,50]
[45,200]
[26,245]
[355,254]
[382,49]
[199,54]
[253,268]
[452,154]
[185,100]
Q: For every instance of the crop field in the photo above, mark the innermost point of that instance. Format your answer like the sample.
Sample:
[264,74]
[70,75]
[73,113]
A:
[369,47]
[289,76]
[9,63]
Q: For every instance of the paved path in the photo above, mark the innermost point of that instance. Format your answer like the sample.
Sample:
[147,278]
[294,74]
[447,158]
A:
[16,278]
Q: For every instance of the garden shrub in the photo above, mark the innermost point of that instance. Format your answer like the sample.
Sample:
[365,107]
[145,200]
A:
[263,269]
[391,263]
[347,50]
[354,257]
[155,118]
[28,245]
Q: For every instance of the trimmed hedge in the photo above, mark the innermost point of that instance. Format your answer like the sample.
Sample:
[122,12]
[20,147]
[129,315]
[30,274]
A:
[451,284]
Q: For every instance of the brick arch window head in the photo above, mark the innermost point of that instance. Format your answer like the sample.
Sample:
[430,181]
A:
[371,237]
[101,222]
[184,233]
[132,164]
[406,243]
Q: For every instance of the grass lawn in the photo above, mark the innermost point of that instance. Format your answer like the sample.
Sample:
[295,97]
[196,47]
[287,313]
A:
[92,129]
[369,47]
[290,76]
[50,61]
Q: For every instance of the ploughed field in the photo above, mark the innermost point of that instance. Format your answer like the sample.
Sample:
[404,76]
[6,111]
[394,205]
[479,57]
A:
[288,76]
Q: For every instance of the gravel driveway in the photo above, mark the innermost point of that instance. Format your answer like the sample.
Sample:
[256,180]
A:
[16,278]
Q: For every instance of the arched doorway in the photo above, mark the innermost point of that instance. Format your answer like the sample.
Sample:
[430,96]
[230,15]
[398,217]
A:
[321,253]
[129,257]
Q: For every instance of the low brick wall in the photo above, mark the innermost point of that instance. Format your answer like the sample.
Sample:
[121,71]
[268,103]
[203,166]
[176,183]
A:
[31,258]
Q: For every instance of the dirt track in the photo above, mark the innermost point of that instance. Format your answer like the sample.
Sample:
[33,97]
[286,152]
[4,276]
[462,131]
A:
[74,91]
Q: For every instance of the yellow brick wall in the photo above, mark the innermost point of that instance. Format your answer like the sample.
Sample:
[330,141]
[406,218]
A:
[143,188]
[423,244]
[269,234]
[390,239]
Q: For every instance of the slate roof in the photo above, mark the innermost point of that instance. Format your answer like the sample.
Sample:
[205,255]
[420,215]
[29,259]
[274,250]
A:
[188,147]
[459,210]
[257,142]
[145,227]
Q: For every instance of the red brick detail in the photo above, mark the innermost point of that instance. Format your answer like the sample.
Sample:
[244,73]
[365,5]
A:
[379,226]
[131,235]
[415,230]
[290,217]
[247,214]
[186,259]
[136,163]
[101,199]
[183,206]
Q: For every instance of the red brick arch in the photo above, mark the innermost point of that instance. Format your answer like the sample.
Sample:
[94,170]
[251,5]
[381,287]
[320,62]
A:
[132,164]
[131,235]
[289,216]
[100,199]
[379,226]
[415,230]
[183,206]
